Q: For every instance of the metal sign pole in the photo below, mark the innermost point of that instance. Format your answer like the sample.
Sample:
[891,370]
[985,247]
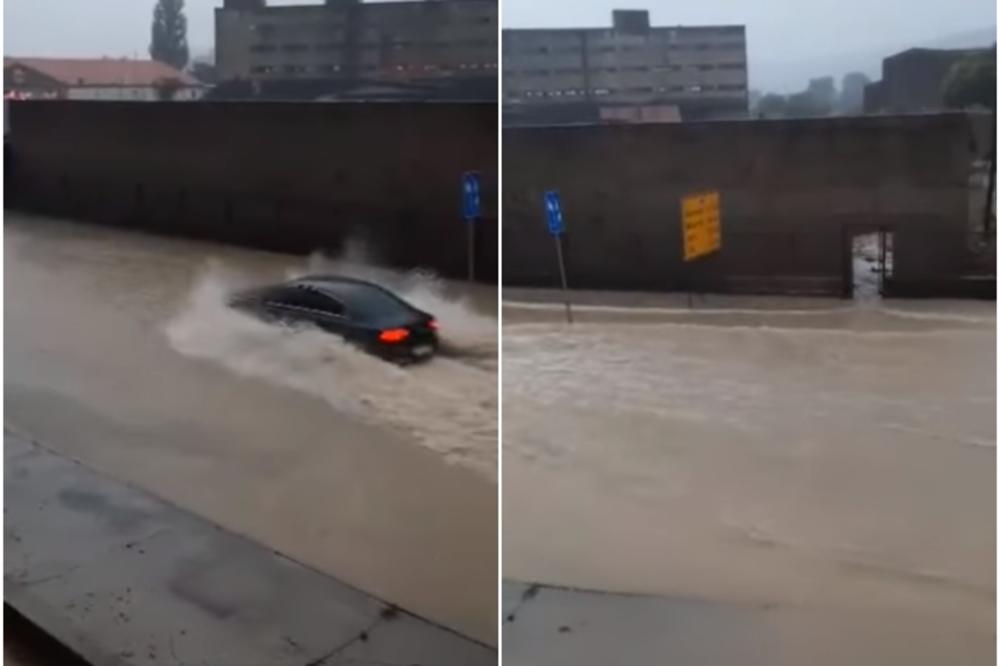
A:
[562,276]
[471,227]
[471,206]
[557,227]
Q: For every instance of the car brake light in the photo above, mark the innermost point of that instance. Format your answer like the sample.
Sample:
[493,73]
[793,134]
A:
[433,324]
[394,335]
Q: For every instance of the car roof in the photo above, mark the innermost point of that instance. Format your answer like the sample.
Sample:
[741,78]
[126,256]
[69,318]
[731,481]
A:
[329,284]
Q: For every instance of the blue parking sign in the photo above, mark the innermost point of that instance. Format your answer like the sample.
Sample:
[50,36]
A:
[553,213]
[470,196]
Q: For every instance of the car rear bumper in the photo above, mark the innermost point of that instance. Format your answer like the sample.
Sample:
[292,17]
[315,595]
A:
[410,352]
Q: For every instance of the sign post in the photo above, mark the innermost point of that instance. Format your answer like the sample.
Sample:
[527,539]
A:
[557,227]
[471,204]
[701,226]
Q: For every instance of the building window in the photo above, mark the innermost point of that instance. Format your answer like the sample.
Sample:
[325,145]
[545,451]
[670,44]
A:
[694,88]
[262,48]
[732,87]
[705,68]
[732,65]
[295,48]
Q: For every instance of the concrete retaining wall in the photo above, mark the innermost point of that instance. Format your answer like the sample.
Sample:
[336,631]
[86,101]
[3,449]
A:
[792,194]
[283,176]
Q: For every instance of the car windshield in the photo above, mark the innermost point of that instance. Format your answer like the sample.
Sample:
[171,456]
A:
[370,303]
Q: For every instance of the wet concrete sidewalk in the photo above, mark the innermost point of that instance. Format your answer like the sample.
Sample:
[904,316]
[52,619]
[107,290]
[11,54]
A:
[121,577]
[560,626]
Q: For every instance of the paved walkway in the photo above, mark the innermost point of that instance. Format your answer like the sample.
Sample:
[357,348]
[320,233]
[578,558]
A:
[122,577]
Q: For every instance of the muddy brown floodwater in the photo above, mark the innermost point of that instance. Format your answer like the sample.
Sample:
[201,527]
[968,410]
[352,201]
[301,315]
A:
[119,352]
[830,464]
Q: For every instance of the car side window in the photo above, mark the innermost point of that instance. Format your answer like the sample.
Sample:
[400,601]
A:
[301,298]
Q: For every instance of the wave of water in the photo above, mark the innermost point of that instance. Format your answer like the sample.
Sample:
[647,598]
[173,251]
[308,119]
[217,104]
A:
[448,405]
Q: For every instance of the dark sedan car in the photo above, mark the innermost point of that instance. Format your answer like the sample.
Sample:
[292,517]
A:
[361,312]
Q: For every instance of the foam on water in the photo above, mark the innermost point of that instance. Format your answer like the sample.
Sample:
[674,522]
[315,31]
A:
[447,405]
[761,459]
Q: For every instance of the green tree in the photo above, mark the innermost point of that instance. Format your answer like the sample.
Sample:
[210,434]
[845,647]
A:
[972,81]
[202,67]
[169,44]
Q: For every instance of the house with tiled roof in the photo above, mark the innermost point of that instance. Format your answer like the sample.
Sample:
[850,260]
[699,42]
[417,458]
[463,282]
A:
[105,79]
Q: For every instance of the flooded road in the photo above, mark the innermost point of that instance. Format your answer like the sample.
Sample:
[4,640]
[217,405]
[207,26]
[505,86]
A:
[121,354]
[831,465]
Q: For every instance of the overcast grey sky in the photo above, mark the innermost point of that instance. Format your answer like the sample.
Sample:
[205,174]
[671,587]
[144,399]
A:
[789,40]
[100,27]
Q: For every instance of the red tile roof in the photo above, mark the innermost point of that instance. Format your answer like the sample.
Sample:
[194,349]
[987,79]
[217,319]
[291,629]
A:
[102,71]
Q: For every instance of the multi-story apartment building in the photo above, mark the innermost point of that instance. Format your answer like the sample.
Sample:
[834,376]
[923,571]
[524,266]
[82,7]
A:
[573,74]
[412,42]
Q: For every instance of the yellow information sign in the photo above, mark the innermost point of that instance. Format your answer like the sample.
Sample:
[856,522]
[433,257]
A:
[701,224]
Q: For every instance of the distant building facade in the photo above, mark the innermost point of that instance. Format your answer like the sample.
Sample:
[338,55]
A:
[912,80]
[573,73]
[351,44]
[104,79]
